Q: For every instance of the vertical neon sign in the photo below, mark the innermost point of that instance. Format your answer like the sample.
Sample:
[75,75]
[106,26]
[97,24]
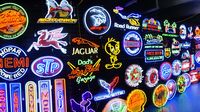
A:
[45,97]
[60,95]
[31,96]
[15,97]
[3,98]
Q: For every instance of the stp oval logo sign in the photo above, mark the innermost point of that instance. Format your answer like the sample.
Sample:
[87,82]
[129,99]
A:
[47,66]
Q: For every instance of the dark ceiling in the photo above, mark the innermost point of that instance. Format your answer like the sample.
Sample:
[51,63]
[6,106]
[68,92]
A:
[178,10]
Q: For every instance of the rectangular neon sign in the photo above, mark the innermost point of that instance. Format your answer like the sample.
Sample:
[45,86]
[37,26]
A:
[45,96]
[60,95]
[31,96]
[3,98]
[15,97]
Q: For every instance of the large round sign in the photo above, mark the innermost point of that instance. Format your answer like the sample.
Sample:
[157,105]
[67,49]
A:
[181,84]
[160,94]
[165,70]
[151,78]
[14,63]
[97,20]
[176,67]
[13,21]
[133,75]
[116,105]
[132,43]
[172,88]
[136,101]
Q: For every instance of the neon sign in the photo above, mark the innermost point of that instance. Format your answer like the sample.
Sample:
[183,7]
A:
[187,79]
[172,88]
[194,76]
[132,43]
[3,97]
[84,105]
[133,75]
[152,77]
[192,65]
[31,96]
[176,67]
[97,20]
[165,71]
[112,48]
[186,45]
[14,63]
[58,13]
[159,96]
[116,105]
[181,84]
[197,57]
[110,89]
[84,62]
[185,65]
[84,51]
[136,101]
[60,95]
[183,31]
[45,97]
[150,39]
[170,29]
[185,55]
[197,34]
[82,41]
[190,33]
[176,47]
[151,24]
[167,52]
[47,66]
[13,21]
[15,97]
[153,55]
[132,18]
[50,39]
[83,75]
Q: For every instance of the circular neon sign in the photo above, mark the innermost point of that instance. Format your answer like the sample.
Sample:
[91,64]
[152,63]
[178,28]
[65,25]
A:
[116,105]
[132,43]
[176,67]
[172,88]
[160,95]
[151,77]
[187,79]
[165,70]
[97,20]
[133,75]
[181,84]
[13,21]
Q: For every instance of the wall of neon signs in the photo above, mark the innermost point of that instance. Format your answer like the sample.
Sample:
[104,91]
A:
[86,56]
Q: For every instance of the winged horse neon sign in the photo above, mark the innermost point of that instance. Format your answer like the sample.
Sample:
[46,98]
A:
[50,38]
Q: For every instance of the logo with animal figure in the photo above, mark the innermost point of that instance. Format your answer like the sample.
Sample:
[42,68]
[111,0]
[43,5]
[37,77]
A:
[84,105]
[112,48]
[97,20]
[50,38]
[132,18]
[58,13]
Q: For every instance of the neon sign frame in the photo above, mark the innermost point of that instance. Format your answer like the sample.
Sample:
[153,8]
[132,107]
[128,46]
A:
[4,105]
[15,89]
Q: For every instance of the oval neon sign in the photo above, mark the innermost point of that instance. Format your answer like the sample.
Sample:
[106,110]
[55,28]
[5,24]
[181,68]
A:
[47,66]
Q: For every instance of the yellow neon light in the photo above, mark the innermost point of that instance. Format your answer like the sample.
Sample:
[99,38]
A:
[136,101]
[112,48]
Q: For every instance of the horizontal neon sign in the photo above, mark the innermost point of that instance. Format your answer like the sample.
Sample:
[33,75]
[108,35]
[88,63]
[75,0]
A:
[153,55]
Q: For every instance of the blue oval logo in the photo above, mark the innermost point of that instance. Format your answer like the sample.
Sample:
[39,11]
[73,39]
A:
[47,66]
